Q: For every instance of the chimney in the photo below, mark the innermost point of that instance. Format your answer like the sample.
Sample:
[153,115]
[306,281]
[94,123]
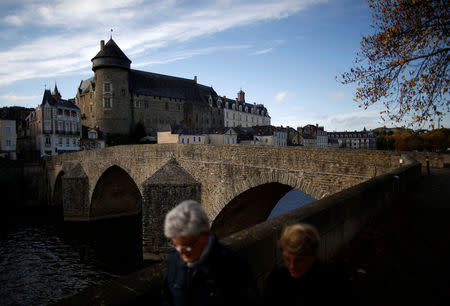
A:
[224,98]
[102,45]
[195,79]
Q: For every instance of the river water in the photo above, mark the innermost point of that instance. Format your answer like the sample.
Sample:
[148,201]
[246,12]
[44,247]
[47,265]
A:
[41,263]
[38,266]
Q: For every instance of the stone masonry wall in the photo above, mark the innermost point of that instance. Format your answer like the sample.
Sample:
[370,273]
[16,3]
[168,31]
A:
[228,170]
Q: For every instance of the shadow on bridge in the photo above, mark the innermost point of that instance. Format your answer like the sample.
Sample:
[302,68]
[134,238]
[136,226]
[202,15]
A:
[249,208]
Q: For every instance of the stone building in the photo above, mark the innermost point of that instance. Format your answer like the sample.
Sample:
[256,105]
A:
[117,97]
[239,113]
[55,125]
[8,139]
[317,132]
[355,140]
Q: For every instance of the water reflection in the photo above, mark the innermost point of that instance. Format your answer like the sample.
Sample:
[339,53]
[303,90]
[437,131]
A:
[40,264]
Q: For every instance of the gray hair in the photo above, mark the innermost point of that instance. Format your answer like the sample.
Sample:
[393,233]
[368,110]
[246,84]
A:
[186,219]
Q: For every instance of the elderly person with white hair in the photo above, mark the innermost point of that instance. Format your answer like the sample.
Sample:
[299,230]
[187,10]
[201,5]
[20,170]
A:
[200,270]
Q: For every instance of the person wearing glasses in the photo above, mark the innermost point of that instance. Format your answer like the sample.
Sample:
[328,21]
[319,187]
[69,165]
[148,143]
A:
[200,270]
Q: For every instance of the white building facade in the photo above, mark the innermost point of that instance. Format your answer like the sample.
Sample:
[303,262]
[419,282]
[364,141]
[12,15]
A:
[55,125]
[8,139]
[239,113]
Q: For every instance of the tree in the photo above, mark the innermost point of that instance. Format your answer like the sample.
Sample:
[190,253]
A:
[404,63]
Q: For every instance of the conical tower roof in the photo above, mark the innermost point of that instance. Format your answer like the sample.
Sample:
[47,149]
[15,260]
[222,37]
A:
[110,55]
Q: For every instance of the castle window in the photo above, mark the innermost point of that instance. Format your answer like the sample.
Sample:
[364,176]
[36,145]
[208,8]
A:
[146,104]
[47,112]
[107,87]
[107,102]
[166,106]
[123,91]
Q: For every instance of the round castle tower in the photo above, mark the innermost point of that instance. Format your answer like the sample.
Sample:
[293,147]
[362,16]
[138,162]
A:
[112,110]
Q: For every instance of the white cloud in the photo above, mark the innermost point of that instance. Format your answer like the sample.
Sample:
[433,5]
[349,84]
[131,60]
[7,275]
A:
[140,26]
[14,98]
[339,95]
[280,96]
[263,51]
[333,122]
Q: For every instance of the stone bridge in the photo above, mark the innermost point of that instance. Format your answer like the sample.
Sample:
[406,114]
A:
[237,184]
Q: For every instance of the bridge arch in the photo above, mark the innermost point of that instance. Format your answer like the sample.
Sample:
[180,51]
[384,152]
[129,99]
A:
[251,207]
[115,195]
[57,196]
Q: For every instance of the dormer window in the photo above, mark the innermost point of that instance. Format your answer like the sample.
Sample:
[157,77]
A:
[92,135]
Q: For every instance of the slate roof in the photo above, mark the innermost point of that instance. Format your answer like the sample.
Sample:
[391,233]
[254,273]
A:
[85,131]
[111,49]
[57,103]
[85,85]
[244,104]
[149,83]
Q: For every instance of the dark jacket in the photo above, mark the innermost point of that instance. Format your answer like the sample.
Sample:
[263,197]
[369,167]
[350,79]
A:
[319,286]
[223,278]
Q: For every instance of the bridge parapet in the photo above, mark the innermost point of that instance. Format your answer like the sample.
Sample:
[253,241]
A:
[337,217]
[232,178]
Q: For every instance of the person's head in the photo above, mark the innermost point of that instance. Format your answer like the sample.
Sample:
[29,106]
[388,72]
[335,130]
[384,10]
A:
[299,245]
[187,225]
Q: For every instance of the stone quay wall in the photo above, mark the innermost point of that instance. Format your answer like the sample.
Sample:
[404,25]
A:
[338,218]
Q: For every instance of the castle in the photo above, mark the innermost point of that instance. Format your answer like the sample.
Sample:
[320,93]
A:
[117,98]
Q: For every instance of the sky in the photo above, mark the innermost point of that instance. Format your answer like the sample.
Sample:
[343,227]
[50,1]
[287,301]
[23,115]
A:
[284,54]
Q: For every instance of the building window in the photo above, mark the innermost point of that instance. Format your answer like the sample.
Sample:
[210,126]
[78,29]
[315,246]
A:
[67,127]
[8,142]
[107,102]
[182,140]
[67,142]
[123,91]
[48,112]
[146,105]
[74,142]
[199,139]
[92,135]
[90,108]
[8,130]
[167,106]
[60,141]
[47,125]
[107,87]
[188,140]
[194,138]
